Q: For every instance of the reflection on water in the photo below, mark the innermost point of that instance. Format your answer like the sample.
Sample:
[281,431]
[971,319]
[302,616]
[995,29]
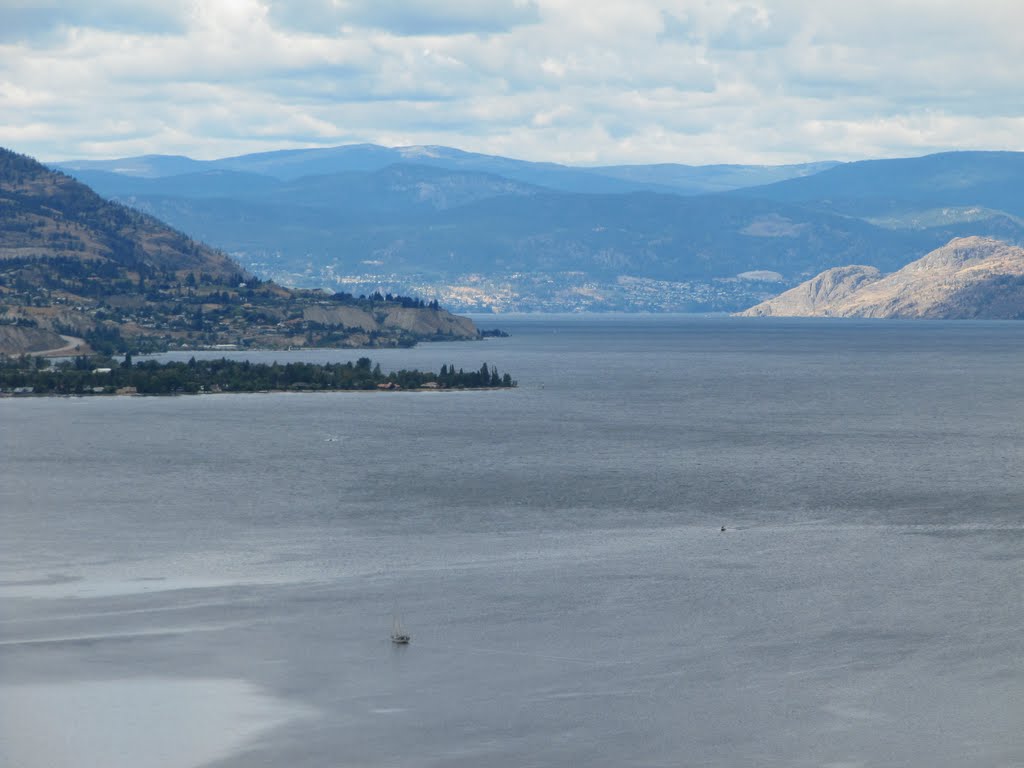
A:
[139,723]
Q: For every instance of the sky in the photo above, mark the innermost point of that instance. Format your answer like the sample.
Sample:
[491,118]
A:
[572,81]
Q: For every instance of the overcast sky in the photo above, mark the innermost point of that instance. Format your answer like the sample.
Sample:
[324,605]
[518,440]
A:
[574,81]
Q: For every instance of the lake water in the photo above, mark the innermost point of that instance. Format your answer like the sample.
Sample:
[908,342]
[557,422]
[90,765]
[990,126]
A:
[211,580]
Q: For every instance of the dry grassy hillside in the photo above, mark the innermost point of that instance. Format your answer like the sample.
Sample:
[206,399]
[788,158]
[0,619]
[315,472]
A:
[970,277]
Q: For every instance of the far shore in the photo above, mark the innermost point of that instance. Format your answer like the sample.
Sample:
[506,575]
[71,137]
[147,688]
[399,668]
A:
[22,395]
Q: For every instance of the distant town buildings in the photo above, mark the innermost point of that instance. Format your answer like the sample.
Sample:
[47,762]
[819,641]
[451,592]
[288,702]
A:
[542,292]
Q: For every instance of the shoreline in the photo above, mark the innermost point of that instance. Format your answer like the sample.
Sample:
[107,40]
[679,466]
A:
[84,378]
[83,395]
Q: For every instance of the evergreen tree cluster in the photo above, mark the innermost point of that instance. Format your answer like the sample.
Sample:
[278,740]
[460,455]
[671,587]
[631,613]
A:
[84,375]
[408,302]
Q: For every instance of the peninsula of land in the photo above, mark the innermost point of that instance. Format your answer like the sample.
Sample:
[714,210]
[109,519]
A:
[35,376]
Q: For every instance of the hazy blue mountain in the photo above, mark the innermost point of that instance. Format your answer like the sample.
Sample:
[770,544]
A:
[148,166]
[896,188]
[292,164]
[700,179]
[196,185]
[640,234]
[398,188]
[394,189]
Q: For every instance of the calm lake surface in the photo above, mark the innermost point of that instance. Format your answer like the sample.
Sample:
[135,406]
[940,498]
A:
[210,581]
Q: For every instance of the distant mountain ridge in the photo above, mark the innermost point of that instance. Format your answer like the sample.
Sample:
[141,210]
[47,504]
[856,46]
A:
[643,235]
[407,218]
[291,164]
[968,278]
[877,188]
[390,188]
[479,232]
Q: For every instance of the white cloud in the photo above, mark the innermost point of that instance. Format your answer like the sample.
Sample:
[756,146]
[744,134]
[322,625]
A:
[567,80]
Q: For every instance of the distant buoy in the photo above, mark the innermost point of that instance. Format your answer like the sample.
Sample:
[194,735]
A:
[723,529]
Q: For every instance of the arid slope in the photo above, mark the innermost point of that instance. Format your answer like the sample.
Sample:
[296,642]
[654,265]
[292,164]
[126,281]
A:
[969,277]
[74,264]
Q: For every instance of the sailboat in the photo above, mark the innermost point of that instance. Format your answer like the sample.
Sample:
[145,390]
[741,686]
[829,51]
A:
[398,635]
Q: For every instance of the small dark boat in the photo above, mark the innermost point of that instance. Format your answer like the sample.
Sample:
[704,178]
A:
[398,635]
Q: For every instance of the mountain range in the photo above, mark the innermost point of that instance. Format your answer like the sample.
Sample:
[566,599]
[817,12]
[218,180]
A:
[479,232]
[292,164]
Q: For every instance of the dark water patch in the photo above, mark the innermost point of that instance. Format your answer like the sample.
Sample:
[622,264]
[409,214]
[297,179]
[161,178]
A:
[52,579]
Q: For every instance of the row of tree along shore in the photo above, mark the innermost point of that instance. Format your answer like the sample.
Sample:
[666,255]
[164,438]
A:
[26,375]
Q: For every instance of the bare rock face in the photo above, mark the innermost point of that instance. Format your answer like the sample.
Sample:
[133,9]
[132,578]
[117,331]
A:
[969,277]
[421,321]
[349,317]
[15,340]
[814,297]
[426,322]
